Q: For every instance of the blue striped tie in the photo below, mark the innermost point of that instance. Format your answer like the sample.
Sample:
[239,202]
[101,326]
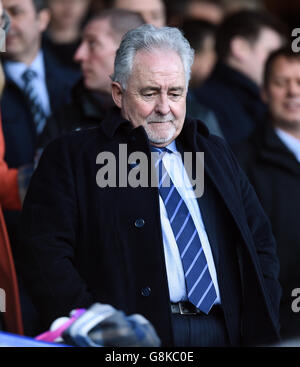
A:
[200,287]
[37,112]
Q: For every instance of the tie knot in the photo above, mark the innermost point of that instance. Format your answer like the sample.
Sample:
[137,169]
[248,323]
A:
[29,75]
[160,150]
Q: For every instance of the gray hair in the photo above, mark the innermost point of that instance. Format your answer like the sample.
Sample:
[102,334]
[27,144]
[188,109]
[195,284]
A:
[147,37]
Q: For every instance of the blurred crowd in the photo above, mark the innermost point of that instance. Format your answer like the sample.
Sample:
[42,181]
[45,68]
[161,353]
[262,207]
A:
[245,87]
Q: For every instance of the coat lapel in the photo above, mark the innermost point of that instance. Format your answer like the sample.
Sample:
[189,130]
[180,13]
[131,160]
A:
[214,169]
[274,151]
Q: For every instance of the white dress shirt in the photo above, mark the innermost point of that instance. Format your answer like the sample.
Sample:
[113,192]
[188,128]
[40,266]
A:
[175,273]
[292,143]
[15,71]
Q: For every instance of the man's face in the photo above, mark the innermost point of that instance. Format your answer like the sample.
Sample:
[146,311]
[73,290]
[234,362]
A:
[259,51]
[68,13]
[152,11]
[204,62]
[96,55]
[23,39]
[205,10]
[282,93]
[155,96]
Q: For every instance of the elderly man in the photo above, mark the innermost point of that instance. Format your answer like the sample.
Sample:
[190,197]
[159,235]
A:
[91,96]
[271,159]
[201,269]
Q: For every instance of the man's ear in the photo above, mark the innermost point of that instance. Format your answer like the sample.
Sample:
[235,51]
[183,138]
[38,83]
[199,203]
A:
[117,93]
[239,48]
[44,17]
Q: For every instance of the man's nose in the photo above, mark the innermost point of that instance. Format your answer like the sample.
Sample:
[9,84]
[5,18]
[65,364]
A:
[81,53]
[294,88]
[162,105]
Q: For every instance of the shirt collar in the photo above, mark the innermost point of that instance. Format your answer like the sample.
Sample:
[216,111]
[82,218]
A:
[292,143]
[15,69]
[172,146]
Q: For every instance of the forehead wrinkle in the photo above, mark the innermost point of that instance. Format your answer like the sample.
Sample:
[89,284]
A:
[158,79]
[165,85]
[157,68]
[155,55]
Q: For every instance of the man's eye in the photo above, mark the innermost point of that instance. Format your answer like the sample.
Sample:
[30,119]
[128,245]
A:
[15,12]
[92,43]
[279,83]
[175,95]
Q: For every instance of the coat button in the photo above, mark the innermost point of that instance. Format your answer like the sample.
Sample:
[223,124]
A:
[146,291]
[139,223]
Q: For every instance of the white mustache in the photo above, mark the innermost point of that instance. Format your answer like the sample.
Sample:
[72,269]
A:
[154,117]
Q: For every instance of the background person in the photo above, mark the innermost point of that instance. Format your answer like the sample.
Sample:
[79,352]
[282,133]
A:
[244,41]
[207,10]
[202,38]
[153,11]
[35,87]
[11,319]
[91,96]
[63,33]
[271,159]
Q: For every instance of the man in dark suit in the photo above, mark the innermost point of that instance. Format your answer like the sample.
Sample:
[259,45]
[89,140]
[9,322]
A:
[97,226]
[271,159]
[26,102]
[243,42]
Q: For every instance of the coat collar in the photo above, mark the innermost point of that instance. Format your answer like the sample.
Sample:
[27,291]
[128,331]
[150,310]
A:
[93,105]
[271,149]
[113,122]
[234,77]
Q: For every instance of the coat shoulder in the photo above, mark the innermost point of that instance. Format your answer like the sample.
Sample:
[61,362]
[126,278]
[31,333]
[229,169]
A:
[72,143]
